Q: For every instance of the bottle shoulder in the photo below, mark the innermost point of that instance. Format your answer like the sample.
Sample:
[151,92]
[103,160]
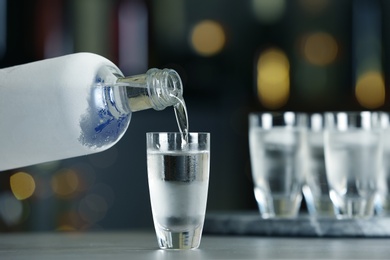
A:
[90,62]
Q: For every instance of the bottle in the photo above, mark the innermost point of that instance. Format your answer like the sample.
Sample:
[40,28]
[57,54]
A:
[73,105]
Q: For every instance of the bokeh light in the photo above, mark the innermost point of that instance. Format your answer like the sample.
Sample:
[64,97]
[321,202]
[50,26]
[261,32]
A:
[69,221]
[208,38]
[93,208]
[104,191]
[11,209]
[86,175]
[319,48]
[273,78]
[65,183]
[370,90]
[22,185]
[170,22]
[66,228]
[42,187]
[314,6]
[268,11]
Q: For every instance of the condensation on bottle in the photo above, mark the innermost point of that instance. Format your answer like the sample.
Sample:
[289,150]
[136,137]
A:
[73,105]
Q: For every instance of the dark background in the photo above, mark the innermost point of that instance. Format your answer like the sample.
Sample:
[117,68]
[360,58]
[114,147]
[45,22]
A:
[109,190]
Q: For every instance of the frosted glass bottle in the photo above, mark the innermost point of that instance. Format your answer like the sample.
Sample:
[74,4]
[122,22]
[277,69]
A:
[73,105]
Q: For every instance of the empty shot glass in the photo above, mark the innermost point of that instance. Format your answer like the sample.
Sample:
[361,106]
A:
[316,188]
[178,176]
[276,152]
[353,157]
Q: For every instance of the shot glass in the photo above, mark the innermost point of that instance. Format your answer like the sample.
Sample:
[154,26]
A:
[178,177]
[316,188]
[353,157]
[382,202]
[276,152]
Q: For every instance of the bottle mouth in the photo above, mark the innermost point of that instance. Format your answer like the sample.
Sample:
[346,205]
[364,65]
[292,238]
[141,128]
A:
[165,87]
[174,84]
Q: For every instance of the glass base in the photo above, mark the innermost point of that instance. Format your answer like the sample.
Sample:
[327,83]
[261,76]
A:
[323,208]
[276,205]
[189,239]
[382,205]
[354,208]
[319,206]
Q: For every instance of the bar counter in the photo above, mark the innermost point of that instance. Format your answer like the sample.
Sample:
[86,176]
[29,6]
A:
[143,245]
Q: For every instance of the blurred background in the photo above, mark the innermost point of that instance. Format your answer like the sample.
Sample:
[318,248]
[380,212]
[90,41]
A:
[234,57]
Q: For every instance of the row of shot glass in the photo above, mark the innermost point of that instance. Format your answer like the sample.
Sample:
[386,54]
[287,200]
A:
[339,161]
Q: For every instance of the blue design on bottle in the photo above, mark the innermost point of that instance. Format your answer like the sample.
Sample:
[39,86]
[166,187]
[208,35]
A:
[104,123]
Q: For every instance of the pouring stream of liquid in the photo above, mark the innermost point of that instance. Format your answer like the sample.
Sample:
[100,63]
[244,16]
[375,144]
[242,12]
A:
[182,119]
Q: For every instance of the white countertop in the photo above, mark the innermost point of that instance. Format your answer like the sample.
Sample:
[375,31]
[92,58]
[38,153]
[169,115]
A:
[143,245]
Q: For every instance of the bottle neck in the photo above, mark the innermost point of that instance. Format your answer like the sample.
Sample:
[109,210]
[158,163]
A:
[155,89]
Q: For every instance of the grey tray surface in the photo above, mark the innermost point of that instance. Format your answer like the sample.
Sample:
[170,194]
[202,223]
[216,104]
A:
[250,223]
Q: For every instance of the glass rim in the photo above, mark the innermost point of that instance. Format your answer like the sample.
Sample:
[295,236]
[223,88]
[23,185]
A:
[352,112]
[178,133]
[272,119]
[173,141]
[276,112]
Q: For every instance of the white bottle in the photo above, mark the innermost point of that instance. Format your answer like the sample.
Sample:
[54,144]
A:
[73,105]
